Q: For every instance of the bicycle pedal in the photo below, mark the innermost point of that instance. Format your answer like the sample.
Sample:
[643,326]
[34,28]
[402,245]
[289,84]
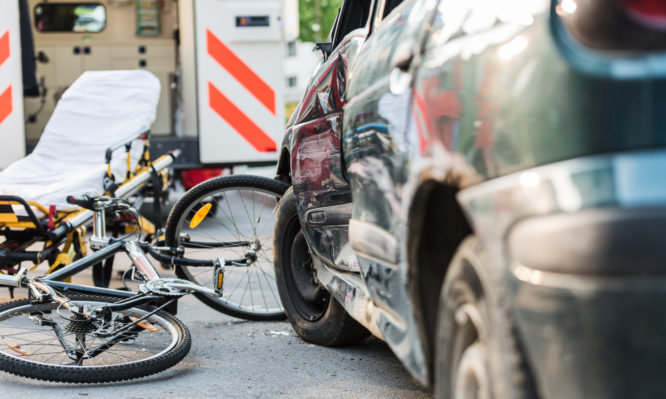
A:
[218,276]
[219,281]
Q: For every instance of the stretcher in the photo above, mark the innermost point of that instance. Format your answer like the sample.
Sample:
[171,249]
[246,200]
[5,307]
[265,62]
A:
[96,142]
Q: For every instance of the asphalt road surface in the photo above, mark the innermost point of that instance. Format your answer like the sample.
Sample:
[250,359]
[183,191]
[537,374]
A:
[232,358]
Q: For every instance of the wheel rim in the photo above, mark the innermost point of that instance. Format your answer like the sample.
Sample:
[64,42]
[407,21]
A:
[308,299]
[471,379]
[22,338]
[313,299]
[244,214]
[472,376]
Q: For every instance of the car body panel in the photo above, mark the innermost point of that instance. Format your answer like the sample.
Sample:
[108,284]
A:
[586,290]
[521,103]
[376,156]
[497,107]
[488,98]
[314,144]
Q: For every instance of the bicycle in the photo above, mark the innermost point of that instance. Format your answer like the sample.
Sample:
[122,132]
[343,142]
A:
[234,214]
[67,332]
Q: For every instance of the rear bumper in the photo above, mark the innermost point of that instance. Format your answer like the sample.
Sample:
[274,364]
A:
[592,321]
[595,343]
[584,249]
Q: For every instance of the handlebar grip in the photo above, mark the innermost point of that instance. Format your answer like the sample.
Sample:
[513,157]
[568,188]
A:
[85,201]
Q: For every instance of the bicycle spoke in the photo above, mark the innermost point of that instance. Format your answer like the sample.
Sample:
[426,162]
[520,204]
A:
[272,291]
[241,213]
[246,211]
[261,289]
[247,284]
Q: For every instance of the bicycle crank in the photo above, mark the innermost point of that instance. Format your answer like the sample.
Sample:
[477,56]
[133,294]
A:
[173,287]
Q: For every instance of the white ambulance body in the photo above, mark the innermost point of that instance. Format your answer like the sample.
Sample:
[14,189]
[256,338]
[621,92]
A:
[219,63]
[12,134]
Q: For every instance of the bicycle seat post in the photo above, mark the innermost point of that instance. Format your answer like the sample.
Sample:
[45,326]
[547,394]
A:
[140,260]
[99,239]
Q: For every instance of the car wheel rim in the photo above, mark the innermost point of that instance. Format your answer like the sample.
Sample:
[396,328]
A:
[472,380]
[313,299]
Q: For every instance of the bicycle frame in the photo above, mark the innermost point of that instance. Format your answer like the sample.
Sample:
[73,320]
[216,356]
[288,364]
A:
[54,282]
[108,247]
[56,279]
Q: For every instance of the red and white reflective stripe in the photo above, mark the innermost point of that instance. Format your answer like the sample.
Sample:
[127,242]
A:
[6,94]
[240,71]
[4,47]
[226,109]
[261,141]
[5,103]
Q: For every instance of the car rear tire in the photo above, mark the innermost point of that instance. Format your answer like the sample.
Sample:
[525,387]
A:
[314,314]
[478,352]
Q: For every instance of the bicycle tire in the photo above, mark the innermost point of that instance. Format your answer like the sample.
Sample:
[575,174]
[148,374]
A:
[220,225]
[22,352]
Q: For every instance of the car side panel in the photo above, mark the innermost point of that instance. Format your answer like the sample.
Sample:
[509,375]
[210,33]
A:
[376,153]
[505,99]
[316,158]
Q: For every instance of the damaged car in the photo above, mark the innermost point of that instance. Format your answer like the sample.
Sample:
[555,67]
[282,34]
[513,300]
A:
[481,185]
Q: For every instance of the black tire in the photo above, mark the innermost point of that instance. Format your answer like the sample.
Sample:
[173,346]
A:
[37,352]
[478,352]
[256,198]
[314,314]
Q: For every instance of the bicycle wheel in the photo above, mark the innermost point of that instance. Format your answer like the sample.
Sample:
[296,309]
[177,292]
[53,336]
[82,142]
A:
[231,217]
[33,338]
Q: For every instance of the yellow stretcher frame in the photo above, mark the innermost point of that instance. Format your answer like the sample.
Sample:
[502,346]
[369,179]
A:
[63,233]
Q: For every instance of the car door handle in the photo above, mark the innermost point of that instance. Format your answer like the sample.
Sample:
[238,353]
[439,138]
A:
[403,56]
[404,63]
[399,81]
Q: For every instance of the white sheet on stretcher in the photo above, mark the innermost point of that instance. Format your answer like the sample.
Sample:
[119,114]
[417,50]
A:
[99,110]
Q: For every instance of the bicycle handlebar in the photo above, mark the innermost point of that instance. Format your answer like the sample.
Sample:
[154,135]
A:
[85,201]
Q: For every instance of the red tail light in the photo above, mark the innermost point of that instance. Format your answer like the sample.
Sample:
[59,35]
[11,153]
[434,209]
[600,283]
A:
[623,26]
[648,12]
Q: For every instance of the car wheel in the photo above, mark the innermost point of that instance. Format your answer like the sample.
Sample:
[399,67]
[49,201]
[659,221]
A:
[315,315]
[478,353]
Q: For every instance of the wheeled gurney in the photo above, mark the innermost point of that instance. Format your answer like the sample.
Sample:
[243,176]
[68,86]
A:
[101,114]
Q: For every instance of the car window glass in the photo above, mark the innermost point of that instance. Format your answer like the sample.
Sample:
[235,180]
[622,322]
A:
[389,6]
[383,9]
[353,15]
[374,59]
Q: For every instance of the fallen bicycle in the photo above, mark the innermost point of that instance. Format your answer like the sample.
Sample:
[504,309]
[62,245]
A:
[83,334]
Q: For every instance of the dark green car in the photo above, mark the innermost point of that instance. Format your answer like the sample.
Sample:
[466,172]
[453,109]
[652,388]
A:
[482,184]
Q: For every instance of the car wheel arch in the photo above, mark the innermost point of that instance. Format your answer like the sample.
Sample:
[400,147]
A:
[283,170]
[437,225]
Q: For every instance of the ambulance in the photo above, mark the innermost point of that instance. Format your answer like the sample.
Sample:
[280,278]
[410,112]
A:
[219,63]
